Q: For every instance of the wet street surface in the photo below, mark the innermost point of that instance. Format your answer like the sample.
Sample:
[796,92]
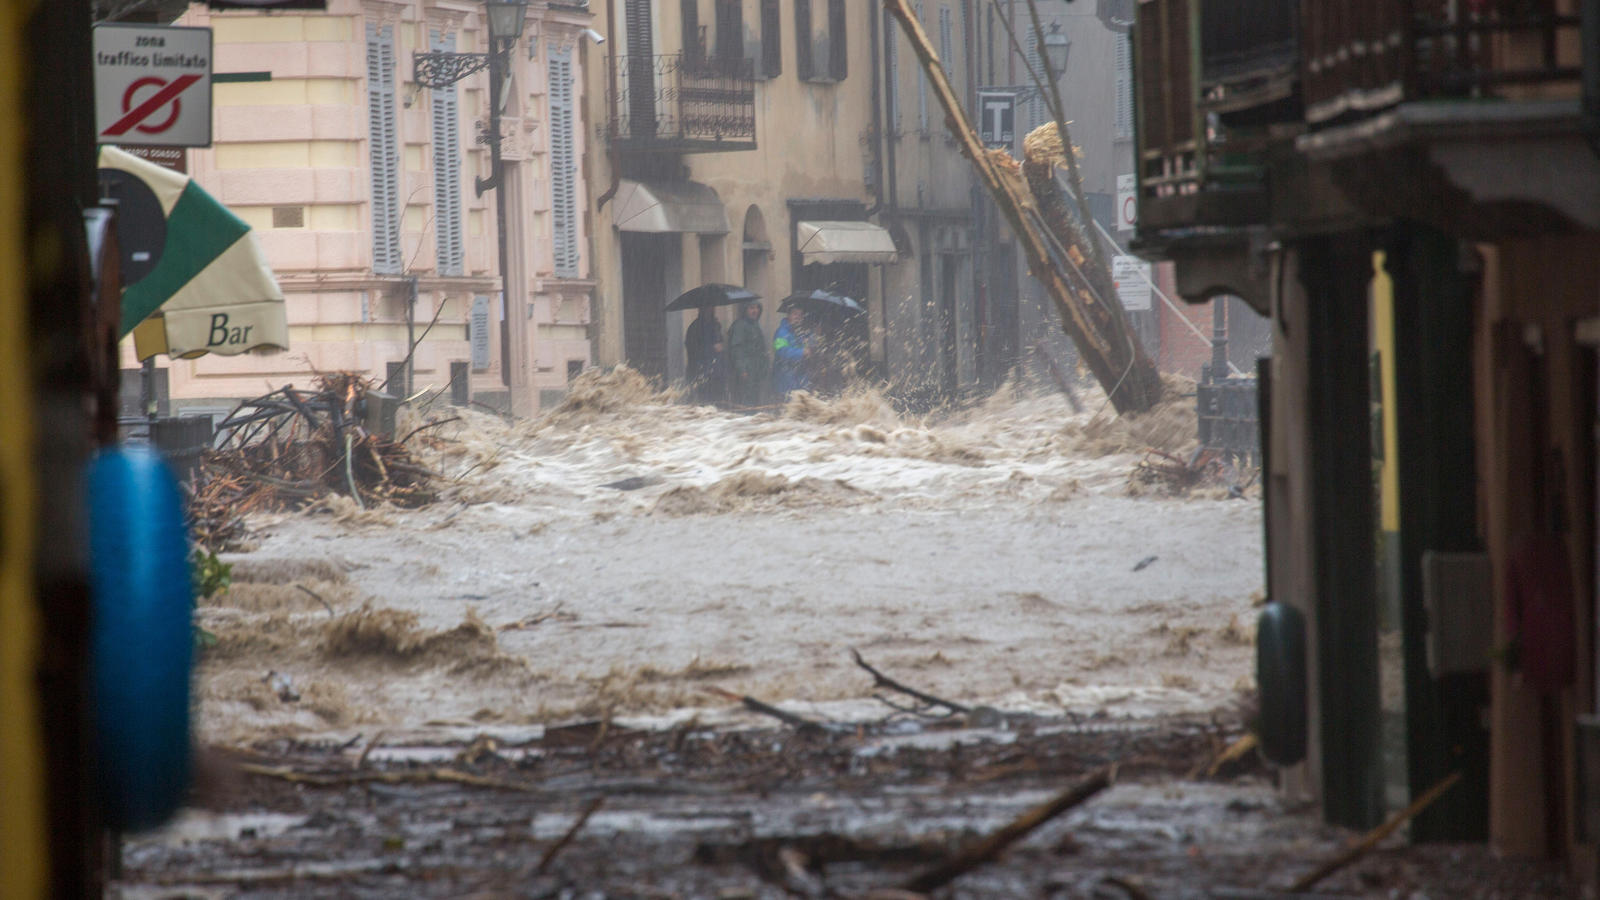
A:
[616,658]
[698,813]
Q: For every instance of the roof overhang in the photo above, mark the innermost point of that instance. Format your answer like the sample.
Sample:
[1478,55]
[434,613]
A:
[844,242]
[669,207]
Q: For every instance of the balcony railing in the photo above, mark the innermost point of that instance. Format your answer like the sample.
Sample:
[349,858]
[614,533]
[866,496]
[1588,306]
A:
[1364,55]
[682,103]
[1194,170]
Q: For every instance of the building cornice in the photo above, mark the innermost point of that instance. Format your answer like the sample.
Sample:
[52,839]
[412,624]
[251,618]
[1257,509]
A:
[310,283]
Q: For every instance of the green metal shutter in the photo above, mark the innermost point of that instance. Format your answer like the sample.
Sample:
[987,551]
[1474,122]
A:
[563,164]
[383,150]
[447,172]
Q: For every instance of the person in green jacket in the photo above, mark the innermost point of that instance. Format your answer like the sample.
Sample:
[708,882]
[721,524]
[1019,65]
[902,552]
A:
[747,351]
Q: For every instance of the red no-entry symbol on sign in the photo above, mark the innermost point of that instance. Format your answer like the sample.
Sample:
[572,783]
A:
[152,85]
[167,93]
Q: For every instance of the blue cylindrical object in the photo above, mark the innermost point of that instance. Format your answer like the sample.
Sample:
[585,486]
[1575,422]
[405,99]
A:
[143,635]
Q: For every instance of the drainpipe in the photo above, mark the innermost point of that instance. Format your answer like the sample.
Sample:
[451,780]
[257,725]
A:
[877,114]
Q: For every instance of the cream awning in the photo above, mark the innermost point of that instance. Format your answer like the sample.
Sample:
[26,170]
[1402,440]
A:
[664,207]
[844,242]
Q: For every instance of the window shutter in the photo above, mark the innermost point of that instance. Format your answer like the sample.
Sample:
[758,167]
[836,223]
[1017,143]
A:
[1036,107]
[802,38]
[771,38]
[693,52]
[730,34]
[563,165]
[383,150]
[891,55]
[1124,62]
[447,172]
[838,41]
[922,80]
[946,44]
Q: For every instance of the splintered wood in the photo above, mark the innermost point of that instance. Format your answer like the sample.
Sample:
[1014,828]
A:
[292,447]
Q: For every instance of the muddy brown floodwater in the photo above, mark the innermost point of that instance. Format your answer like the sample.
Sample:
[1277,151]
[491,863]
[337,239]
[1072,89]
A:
[614,568]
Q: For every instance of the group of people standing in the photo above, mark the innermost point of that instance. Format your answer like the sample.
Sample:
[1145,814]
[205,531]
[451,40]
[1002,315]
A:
[737,370]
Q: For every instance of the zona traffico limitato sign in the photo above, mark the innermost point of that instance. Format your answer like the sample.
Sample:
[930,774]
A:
[152,85]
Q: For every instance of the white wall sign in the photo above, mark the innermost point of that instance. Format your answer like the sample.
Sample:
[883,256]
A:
[152,85]
[478,333]
[1131,275]
[1127,202]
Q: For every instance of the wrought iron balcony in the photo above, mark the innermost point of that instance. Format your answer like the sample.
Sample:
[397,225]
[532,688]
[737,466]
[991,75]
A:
[1366,55]
[681,103]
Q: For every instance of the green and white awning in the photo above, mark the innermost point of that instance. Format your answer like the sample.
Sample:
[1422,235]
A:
[212,290]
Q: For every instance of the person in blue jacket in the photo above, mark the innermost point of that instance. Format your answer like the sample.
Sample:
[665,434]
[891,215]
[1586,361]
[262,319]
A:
[789,352]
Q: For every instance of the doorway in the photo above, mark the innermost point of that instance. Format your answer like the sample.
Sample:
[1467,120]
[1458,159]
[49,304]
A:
[646,259]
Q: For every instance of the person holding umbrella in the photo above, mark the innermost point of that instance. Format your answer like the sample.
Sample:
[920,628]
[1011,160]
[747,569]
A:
[789,353]
[702,345]
[747,351]
[702,342]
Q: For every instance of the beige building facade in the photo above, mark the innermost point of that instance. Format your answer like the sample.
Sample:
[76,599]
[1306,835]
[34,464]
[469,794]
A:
[747,142]
[359,185]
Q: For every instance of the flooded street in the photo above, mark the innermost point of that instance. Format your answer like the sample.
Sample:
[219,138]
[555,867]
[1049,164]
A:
[614,659]
[625,552]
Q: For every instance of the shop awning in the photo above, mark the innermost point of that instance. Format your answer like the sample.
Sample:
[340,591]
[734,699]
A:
[666,207]
[844,242]
[211,290]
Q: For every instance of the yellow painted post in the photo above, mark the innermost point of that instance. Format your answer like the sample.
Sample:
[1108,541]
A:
[24,861]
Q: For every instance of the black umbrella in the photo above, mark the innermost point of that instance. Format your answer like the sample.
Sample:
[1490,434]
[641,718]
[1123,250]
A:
[712,295]
[820,302]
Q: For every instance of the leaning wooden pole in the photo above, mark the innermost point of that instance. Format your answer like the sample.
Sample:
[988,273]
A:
[1093,320]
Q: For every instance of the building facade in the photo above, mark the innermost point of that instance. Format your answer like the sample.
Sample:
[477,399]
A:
[360,186]
[1410,193]
[785,145]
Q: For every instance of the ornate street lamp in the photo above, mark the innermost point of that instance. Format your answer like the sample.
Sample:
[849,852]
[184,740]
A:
[440,69]
[1056,46]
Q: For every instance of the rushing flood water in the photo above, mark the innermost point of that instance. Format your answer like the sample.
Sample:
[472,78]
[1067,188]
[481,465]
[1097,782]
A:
[625,552]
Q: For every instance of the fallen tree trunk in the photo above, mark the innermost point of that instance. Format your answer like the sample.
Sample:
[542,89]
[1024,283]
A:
[1055,251]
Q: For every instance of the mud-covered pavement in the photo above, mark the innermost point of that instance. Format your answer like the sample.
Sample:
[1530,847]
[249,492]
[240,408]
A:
[572,616]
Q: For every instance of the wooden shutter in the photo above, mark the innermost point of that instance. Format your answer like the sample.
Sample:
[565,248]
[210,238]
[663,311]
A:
[946,44]
[838,41]
[891,56]
[447,172]
[802,39]
[641,84]
[730,34]
[771,39]
[922,79]
[563,165]
[693,52]
[1036,106]
[383,150]
[1124,64]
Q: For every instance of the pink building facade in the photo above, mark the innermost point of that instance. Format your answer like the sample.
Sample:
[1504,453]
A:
[359,186]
